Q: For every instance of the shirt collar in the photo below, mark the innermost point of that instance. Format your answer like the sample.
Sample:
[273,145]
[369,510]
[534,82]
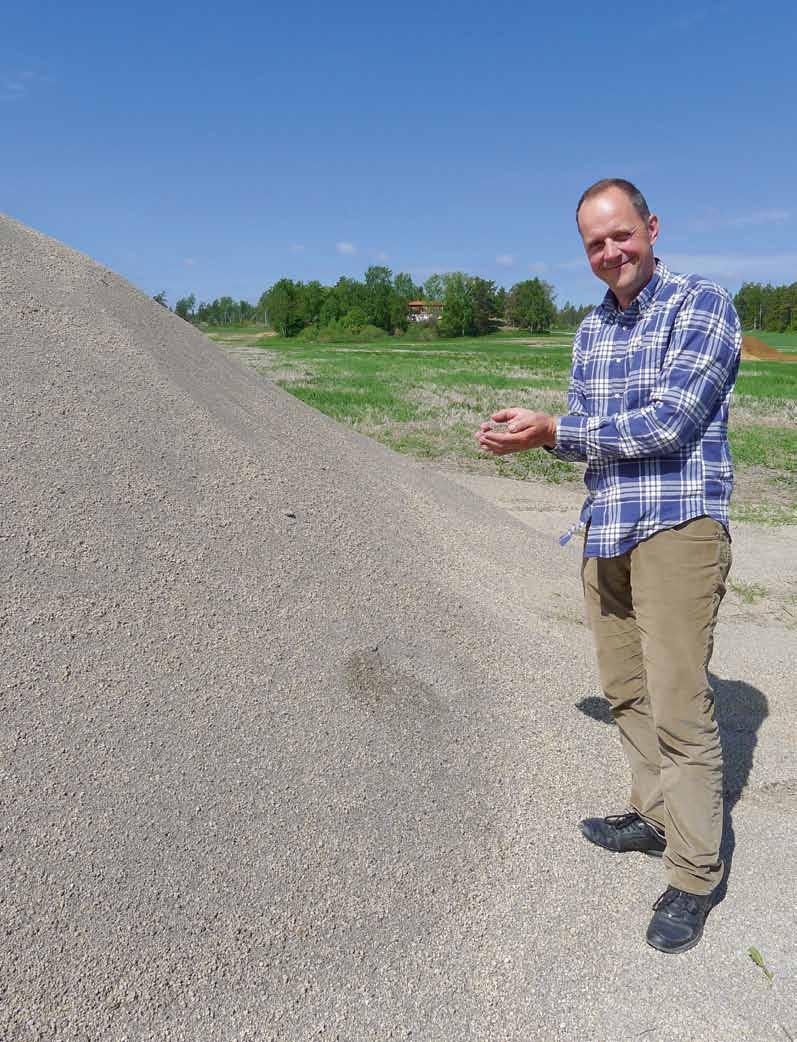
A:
[642,300]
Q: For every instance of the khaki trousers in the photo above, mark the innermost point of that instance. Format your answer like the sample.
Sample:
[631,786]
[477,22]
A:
[652,613]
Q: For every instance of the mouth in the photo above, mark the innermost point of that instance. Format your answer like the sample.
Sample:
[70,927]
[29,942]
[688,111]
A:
[616,267]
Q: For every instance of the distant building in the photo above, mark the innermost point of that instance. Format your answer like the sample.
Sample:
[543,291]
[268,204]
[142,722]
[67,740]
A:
[424,310]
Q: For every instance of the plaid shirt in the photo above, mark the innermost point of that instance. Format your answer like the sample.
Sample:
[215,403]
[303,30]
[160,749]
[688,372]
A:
[648,410]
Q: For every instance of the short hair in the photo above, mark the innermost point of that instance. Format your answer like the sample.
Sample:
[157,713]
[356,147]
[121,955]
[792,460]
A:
[633,193]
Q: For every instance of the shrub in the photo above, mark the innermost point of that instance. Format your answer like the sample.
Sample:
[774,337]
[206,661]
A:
[354,320]
[337,332]
[422,330]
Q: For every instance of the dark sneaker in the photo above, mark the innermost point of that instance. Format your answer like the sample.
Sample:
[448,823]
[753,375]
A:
[677,924]
[623,832]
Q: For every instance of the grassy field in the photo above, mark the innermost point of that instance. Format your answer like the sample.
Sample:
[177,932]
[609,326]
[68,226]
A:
[427,399]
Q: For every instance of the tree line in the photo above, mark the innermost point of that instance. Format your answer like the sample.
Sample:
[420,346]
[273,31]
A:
[468,306]
[767,307]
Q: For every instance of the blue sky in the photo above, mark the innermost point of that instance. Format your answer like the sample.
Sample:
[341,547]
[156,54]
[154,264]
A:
[216,149]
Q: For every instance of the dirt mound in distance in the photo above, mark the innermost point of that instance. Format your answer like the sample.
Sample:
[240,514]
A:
[753,348]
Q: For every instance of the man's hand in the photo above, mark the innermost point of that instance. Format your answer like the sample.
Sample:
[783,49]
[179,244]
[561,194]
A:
[525,430]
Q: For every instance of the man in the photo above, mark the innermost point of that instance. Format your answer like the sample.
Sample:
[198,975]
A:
[653,369]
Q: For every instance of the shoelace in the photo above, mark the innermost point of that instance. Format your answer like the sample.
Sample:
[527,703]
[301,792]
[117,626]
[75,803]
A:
[680,900]
[622,821]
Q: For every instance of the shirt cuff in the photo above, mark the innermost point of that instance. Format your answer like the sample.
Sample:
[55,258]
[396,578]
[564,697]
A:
[571,438]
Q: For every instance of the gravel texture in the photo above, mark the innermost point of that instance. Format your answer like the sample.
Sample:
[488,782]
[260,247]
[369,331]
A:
[295,734]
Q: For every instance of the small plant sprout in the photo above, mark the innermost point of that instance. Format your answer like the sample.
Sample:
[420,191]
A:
[758,959]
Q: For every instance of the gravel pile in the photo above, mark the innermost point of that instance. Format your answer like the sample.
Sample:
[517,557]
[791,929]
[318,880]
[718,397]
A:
[249,684]
[288,747]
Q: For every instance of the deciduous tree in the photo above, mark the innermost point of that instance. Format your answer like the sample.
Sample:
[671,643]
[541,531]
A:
[284,304]
[530,305]
[185,307]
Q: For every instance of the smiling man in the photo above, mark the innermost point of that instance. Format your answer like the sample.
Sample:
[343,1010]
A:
[653,369]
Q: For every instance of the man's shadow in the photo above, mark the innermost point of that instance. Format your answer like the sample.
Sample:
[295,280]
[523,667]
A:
[740,710]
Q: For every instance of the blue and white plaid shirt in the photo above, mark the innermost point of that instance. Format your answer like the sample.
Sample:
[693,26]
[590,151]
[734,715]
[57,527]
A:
[648,410]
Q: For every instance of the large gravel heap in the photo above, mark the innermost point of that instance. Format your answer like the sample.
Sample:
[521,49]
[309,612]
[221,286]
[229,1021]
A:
[251,690]
[287,746]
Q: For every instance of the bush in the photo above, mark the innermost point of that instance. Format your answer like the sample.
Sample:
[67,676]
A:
[421,331]
[337,332]
[354,320]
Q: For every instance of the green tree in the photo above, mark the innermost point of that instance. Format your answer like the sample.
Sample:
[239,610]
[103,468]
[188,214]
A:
[406,288]
[379,290]
[246,311]
[530,305]
[570,317]
[185,307]
[284,305]
[160,298]
[500,303]
[458,305]
[434,288]
[354,320]
[483,302]
[312,297]
[749,304]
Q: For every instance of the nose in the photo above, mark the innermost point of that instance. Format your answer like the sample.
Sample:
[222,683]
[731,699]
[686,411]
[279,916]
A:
[610,253]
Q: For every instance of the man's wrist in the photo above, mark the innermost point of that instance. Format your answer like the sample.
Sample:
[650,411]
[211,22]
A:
[550,441]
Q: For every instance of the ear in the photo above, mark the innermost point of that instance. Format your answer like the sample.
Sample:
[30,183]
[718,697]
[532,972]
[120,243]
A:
[653,228]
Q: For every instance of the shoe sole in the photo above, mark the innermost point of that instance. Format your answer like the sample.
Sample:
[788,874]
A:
[675,951]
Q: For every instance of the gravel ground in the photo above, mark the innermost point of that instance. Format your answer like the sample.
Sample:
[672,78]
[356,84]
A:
[295,733]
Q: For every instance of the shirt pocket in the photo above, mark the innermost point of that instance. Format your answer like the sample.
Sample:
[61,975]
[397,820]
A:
[644,365]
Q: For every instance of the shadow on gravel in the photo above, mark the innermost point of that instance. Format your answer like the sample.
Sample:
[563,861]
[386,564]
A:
[740,710]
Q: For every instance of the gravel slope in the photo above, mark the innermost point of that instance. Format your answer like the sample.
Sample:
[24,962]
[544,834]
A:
[295,734]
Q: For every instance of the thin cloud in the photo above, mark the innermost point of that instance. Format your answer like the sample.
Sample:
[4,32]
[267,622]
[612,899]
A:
[713,220]
[16,85]
[189,262]
[380,255]
[506,260]
[696,20]
[538,267]
[761,217]
[296,247]
[12,90]
[346,247]
[738,266]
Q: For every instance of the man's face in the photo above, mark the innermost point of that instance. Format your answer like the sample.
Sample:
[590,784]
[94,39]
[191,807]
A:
[618,242]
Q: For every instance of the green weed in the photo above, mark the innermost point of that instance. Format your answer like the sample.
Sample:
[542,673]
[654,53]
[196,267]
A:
[758,959]
[750,593]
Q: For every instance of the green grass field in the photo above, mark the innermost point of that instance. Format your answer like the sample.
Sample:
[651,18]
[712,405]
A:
[427,399]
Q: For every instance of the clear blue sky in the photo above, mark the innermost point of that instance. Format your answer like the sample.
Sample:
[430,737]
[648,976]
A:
[215,148]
